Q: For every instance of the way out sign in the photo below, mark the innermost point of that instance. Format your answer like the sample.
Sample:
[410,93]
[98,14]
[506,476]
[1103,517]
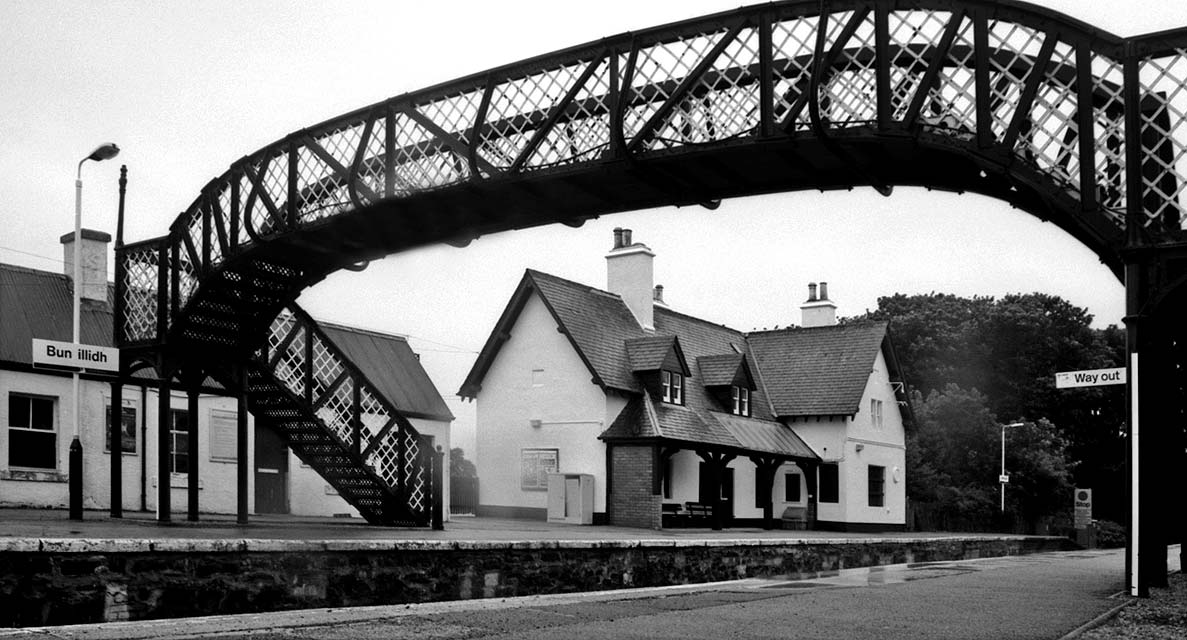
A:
[1089,378]
[75,356]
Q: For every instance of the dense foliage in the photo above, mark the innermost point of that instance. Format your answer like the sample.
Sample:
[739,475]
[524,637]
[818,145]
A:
[974,363]
[459,466]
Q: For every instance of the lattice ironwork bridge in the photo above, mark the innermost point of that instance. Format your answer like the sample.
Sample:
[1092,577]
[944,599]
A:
[1054,116]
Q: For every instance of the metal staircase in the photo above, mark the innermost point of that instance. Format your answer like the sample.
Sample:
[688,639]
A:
[338,423]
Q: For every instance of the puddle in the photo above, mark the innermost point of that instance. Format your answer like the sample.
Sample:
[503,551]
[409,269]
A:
[865,576]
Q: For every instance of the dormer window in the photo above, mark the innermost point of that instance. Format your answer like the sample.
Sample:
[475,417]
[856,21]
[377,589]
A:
[672,384]
[741,396]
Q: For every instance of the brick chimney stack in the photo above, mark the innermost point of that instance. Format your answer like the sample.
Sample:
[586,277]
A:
[93,252]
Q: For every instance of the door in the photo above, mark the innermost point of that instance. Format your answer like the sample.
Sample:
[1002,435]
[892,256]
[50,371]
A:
[272,470]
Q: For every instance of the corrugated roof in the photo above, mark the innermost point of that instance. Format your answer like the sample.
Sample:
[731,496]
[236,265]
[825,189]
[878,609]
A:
[39,304]
[390,364]
[762,435]
[817,371]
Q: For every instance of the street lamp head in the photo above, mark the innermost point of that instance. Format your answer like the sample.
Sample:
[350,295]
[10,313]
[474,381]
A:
[105,151]
[1014,424]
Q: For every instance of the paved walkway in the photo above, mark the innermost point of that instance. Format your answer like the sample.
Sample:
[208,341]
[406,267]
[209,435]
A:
[97,525]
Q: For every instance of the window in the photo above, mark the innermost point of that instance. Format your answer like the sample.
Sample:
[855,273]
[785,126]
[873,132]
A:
[876,414]
[741,397]
[537,377]
[127,429]
[829,483]
[179,434]
[32,432]
[673,387]
[224,435]
[877,486]
[534,467]
[791,487]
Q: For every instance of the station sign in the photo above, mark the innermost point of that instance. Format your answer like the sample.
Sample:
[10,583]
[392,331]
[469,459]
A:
[1089,378]
[1082,503]
[75,356]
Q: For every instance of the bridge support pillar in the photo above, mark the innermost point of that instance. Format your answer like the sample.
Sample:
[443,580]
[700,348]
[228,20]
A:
[1155,412]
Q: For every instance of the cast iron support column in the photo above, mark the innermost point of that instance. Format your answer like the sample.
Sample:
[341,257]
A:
[438,489]
[192,449]
[164,444]
[241,461]
[116,435]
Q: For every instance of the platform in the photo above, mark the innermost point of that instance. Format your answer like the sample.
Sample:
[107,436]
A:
[57,571]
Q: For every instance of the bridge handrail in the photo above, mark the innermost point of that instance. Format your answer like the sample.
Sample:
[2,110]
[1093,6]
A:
[644,92]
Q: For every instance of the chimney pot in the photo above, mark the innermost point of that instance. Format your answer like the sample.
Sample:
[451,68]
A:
[818,311]
[617,237]
[659,293]
[630,274]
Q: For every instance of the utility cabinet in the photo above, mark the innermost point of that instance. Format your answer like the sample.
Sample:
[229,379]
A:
[570,498]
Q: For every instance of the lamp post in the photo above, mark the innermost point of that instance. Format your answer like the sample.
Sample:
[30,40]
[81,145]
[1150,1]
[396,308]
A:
[1002,477]
[102,152]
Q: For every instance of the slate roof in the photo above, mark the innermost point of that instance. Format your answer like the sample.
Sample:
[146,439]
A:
[725,370]
[656,352]
[39,304]
[817,371]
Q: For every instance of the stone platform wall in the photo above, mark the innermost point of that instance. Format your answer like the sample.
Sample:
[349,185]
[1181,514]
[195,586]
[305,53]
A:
[53,582]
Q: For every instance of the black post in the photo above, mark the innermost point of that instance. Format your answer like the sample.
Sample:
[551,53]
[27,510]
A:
[192,447]
[117,387]
[438,489]
[75,478]
[716,471]
[116,434]
[241,461]
[164,445]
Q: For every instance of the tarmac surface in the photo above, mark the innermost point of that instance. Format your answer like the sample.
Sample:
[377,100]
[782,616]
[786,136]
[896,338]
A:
[1036,596]
[1042,596]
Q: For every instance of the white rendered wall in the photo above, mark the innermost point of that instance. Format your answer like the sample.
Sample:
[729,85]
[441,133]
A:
[868,445]
[537,375]
[218,478]
[837,440]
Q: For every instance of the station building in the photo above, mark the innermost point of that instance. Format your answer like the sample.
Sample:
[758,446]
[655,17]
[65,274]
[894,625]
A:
[36,407]
[609,406]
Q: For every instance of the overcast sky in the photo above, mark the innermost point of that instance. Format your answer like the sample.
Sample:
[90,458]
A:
[187,88]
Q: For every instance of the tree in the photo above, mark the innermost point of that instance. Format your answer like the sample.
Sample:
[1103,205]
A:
[459,466]
[954,459]
[1009,350]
